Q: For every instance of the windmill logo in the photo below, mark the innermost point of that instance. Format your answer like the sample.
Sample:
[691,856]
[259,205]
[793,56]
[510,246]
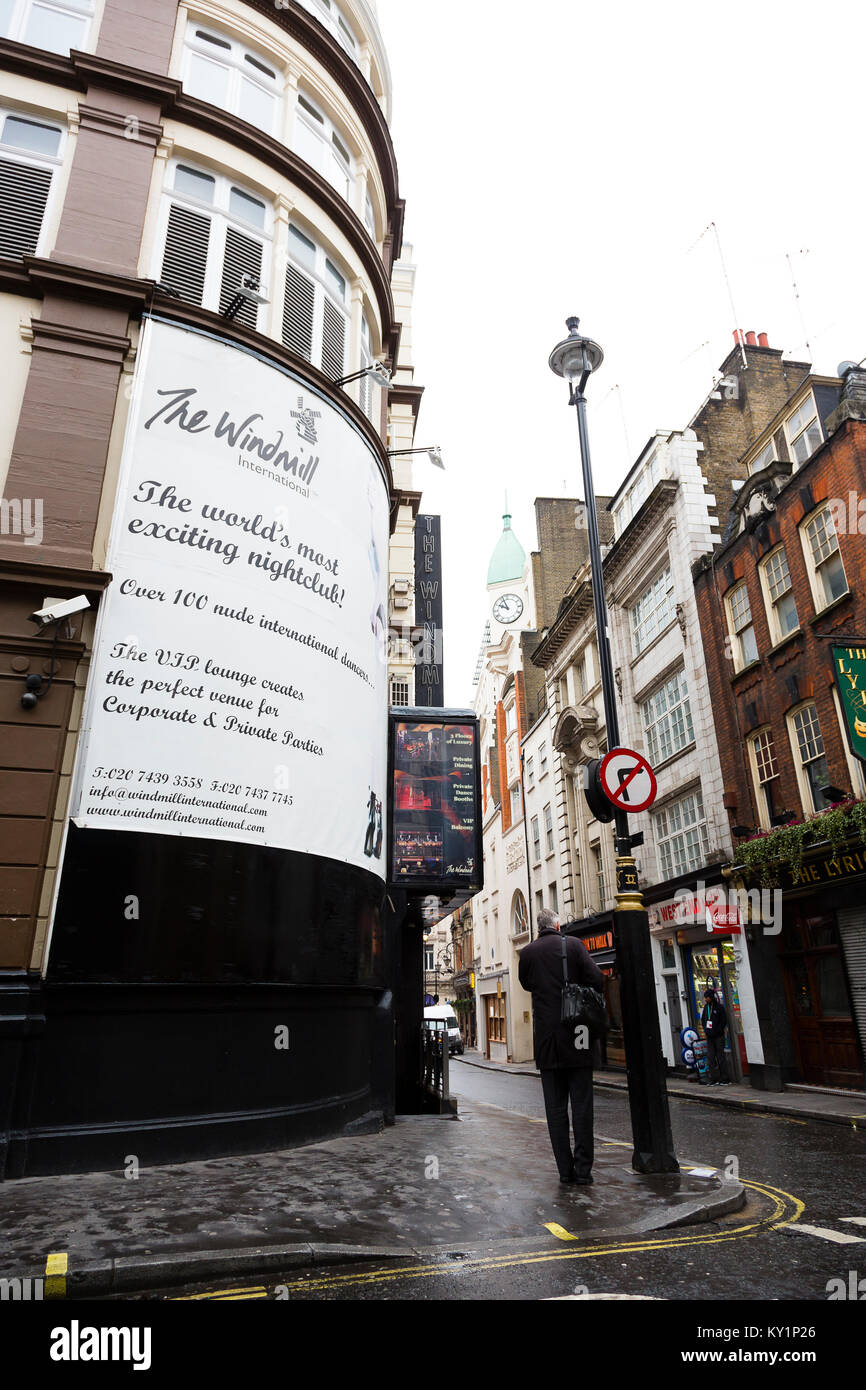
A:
[306,419]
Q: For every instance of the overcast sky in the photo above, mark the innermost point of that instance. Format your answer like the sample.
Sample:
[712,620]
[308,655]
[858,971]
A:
[566,159]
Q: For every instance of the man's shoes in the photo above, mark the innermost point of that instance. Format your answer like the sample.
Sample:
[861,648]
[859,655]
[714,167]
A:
[585,1181]
[570,1179]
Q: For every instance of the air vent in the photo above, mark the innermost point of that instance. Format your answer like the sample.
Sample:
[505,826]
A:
[23,195]
[185,260]
[298,314]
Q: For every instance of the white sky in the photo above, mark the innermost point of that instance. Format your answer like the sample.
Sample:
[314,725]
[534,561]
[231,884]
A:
[565,158]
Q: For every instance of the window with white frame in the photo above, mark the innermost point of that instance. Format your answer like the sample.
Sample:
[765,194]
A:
[763,460]
[680,833]
[369,215]
[336,23]
[214,234]
[776,579]
[740,627]
[399,692]
[553,897]
[519,915]
[224,73]
[511,717]
[599,885]
[765,770]
[821,546]
[530,773]
[667,720]
[548,827]
[542,759]
[637,494]
[315,311]
[514,794]
[653,612]
[536,840]
[582,676]
[808,746]
[320,144]
[55,25]
[368,391]
[29,154]
[804,431]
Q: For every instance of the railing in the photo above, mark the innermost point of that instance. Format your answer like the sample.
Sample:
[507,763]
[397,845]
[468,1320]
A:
[434,1061]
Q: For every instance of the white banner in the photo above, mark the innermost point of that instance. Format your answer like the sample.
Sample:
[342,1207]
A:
[238,689]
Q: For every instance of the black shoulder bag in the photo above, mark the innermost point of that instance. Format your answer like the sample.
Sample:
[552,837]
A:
[581,1004]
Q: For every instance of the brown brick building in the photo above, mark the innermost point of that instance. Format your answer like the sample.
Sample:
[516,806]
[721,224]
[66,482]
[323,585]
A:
[783,586]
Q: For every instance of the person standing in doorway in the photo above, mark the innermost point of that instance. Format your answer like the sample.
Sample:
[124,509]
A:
[715,1021]
[565,1065]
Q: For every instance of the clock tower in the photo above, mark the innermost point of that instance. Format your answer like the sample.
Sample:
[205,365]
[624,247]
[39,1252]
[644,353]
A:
[506,586]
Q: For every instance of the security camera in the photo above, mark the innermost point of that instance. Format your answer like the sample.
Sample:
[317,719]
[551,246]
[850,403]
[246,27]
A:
[56,612]
[251,290]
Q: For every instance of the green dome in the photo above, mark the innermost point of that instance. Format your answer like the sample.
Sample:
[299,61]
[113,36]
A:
[508,558]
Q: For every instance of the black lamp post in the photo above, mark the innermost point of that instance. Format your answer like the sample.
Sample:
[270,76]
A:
[575,359]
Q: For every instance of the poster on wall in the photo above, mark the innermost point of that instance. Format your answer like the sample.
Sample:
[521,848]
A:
[238,689]
[435,839]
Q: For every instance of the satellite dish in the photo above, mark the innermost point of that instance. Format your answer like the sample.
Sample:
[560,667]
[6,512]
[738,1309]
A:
[844,367]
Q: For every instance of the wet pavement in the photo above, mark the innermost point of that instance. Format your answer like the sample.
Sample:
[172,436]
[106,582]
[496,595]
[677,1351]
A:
[427,1186]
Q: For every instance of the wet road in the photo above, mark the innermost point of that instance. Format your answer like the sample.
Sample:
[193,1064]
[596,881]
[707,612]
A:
[812,1170]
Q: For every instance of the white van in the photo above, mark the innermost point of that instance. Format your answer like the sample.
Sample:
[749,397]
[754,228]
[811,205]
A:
[441,1017]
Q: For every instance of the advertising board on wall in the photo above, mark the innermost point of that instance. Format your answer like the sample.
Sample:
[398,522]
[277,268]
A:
[238,688]
[435,839]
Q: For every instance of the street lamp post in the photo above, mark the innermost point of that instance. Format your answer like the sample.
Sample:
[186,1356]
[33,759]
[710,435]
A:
[575,359]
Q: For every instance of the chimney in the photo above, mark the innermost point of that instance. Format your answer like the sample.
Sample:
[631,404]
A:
[738,336]
[763,340]
[751,340]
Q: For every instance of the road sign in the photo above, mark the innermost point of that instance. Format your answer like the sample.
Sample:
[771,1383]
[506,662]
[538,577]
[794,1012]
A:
[627,780]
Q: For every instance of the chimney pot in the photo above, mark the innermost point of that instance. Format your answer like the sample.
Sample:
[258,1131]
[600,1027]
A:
[763,340]
[738,336]
[751,340]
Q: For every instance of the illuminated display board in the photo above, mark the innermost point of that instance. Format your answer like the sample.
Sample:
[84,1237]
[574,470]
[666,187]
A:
[435,840]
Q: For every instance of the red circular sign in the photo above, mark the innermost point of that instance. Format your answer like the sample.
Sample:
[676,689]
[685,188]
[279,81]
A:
[627,780]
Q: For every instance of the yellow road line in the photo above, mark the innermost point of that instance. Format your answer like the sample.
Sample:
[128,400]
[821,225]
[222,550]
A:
[786,1208]
[251,1291]
[56,1269]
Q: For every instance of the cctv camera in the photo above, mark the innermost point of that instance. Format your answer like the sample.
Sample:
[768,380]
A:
[55,612]
[251,290]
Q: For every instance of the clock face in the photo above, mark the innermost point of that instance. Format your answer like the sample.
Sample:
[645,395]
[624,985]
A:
[507,608]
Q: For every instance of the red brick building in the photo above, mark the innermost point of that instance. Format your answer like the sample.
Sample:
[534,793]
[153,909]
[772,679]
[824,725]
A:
[785,583]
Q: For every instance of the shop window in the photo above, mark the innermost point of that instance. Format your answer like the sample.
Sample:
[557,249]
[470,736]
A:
[56,26]
[811,764]
[215,233]
[741,628]
[667,720]
[779,594]
[823,560]
[496,1025]
[222,72]
[680,833]
[29,154]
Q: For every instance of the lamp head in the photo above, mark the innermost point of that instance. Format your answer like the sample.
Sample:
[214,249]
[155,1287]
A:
[575,356]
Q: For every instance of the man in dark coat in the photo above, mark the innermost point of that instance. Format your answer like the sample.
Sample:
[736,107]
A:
[715,1021]
[561,1051]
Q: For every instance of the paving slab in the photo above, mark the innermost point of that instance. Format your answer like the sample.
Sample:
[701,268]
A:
[425,1187]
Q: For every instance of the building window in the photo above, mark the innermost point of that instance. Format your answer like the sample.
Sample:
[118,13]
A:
[741,627]
[519,915]
[768,455]
[368,390]
[224,73]
[496,1018]
[804,431]
[582,676]
[637,494]
[809,756]
[514,793]
[681,835]
[776,578]
[539,902]
[215,233]
[29,153]
[315,313]
[511,718]
[530,773]
[321,145]
[553,897]
[428,959]
[399,692]
[598,872]
[667,720]
[653,612]
[328,14]
[56,25]
[762,752]
[826,571]
[548,828]
[542,759]
[536,840]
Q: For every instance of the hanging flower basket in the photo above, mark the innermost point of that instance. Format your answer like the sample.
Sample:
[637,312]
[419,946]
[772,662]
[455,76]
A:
[769,854]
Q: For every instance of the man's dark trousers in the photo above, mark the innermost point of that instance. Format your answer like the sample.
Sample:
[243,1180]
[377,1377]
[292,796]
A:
[561,1084]
[716,1062]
